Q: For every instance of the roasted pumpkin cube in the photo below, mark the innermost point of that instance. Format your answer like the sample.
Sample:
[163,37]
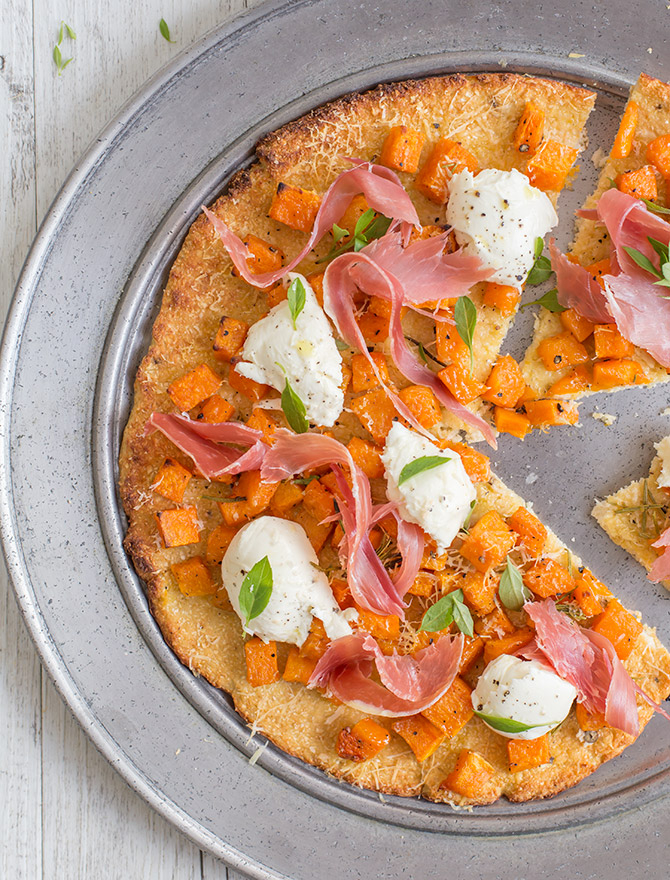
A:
[402,149]
[488,543]
[381,626]
[479,589]
[420,734]
[589,720]
[229,338]
[581,328]
[298,668]
[255,391]
[261,660]
[525,754]
[258,492]
[367,456]
[276,295]
[355,210]
[261,256]
[494,625]
[453,710]
[463,386]
[193,577]
[545,413]
[641,183]
[549,167]
[286,496]
[318,501]
[449,346]
[507,421]
[472,777]
[375,412]
[623,142]
[530,130]
[235,512]
[502,297]
[557,352]
[574,382]
[507,644]
[179,527]
[261,421]
[171,480]
[342,593]
[445,159]
[598,270]
[315,281]
[317,533]
[362,741]
[422,403]
[423,584]
[477,465]
[505,384]
[531,534]
[363,376]
[610,343]
[619,626]
[218,542]
[216,410]
[658,153]
[590,594]
[431,559]
[546,577]
[472,649]
[614,373]
[295,207]
[194,387]
[316,643]
[374,328]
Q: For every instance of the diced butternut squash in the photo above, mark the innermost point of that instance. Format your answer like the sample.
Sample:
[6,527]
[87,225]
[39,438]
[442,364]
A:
[472,777]
[557,352]
[218,542]
[479,590]
[494,625]
[261,660]
[317,533]
[295,207]
[623,142]
[488,543]
[420,734]
[658,153]
[612,374]
[255,391]
[477,465]
[381,626]
[473,646]
[171,480]
[531,534]
[229,338]
[179,527]
[505,383]
[376,413]
[315,281]
[257,492]
[298,668]
[589,720]
[590,594]
[574,382]
[641,184]
[367,456]
[194,387]
[193,577]
[423,585]
[276,294]
[549,167]
[453,710]
[502,297]
[525,754]
[530,130]
[318,501]
[342,593]
[261,256]
[507,644]
[464,387]
[449,346]
[362,741]
[610,343]
[422,403]
[234,512]
[580,327]
[375,328]
[261,421]
[545,413]
[346,378]
[619,626]
[287,495]
[445,159]
[355,210]
[546,577]
[431,559]
[507,421]
[402,149]
[316,643]
[363,377]
[216,410]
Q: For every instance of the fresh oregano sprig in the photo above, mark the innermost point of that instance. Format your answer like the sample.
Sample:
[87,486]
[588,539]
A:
[449,609]
[59,61]
[662,274]
[369,226]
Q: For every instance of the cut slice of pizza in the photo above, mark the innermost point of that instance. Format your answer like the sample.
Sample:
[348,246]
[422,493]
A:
[609,325]
[637,517]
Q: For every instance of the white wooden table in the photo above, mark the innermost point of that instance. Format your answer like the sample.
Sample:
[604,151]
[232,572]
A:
[64,813]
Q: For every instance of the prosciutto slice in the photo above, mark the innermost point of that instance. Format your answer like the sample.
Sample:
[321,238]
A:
[578,289]
[352,272]
[371,585]
[382,189]
[408,684]
[660,570]
[202,442]
[588,662]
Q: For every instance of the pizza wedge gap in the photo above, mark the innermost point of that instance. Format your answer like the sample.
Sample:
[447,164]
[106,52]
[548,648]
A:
[611,335]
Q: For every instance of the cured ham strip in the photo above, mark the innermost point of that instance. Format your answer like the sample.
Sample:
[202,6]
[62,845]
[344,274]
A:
[202,442]
[660,570]
[409,684]
[369,582]
[351,272]
[382,189]
[587,661]
[578,289]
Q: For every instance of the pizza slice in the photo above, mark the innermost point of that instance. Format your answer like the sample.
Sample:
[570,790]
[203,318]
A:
[637,517]
[608,327]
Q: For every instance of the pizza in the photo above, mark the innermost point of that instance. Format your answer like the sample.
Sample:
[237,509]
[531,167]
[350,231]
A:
[316,536]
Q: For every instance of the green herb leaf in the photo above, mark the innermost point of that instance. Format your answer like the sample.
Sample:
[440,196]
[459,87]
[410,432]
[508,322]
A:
[304,481]
[165,30]
[465,315]
[256,590]
[548,301]
[71,34]
[512,590]
[659,209]
[60,33]
[424,354]
[419,465]
[538,247]
[369,226]
[296,299]
[341,346]
[508,725]
[364,221]
[465,525]
[541,269]
[58,58]
[642,261]
[294,409]
[449,609]
[339,233]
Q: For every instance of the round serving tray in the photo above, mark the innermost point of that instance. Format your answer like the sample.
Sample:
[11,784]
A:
[78,326]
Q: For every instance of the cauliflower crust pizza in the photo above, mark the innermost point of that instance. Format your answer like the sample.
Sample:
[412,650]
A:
[316,538]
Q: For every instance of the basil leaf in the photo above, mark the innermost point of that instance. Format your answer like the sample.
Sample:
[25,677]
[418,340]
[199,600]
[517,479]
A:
[512,590]
[642,261]
[378,227]
[256,590]
[369,226]
[296,298]
[660,248]
[364,221]
[294,409]
[462,616]
[508,725]
[449,609]
[419,465]
[538,247]
[540,271]
[338,233]
[659,209]
[548,301]
[465,315]
[165,30]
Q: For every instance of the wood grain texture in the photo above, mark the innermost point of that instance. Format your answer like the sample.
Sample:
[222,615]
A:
[65,813]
